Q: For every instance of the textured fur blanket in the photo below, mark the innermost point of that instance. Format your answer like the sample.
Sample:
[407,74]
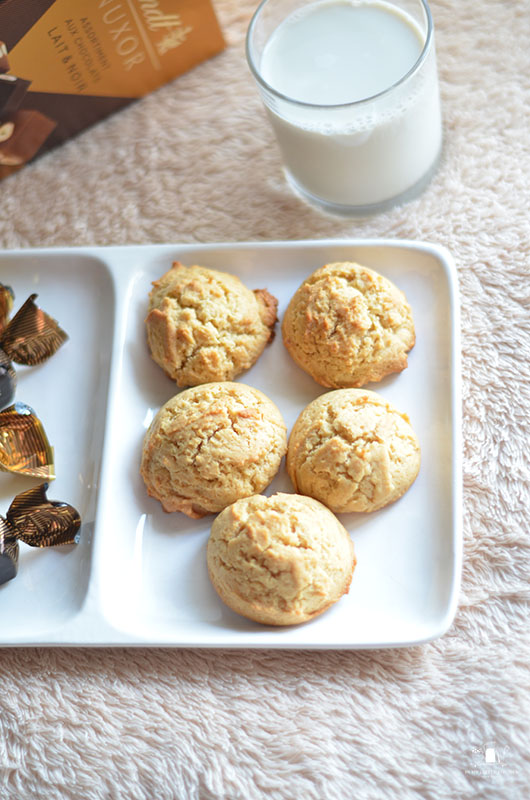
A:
[196,162]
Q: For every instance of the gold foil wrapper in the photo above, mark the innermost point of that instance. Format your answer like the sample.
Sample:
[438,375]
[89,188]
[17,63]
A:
[24,446]
[31,336]
[40,522]
[6,304]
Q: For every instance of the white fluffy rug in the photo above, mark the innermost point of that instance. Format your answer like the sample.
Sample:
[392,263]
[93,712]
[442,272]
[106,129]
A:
[196,162]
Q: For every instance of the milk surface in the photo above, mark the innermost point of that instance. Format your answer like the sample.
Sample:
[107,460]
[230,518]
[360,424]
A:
[336,52]
[361,145]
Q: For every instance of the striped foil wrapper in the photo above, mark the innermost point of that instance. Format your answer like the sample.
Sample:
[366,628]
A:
[38,522]
[31,336]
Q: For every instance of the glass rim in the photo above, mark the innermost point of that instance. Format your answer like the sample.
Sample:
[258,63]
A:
[351,103]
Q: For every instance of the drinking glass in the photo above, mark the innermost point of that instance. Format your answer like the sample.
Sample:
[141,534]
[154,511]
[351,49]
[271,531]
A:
[360,155]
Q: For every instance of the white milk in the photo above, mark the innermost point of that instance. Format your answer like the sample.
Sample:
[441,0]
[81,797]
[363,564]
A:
[332,54]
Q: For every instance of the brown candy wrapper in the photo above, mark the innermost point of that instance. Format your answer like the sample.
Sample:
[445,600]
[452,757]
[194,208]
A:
[40,522]
[37,521]
[32,336]
[24,446]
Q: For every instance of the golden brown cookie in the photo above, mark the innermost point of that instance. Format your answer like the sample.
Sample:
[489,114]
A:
[346,325]
[210,445]
[279,560]
[204,325]
[353,451]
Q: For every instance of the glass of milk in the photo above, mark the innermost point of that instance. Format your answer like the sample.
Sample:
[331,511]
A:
[351,89]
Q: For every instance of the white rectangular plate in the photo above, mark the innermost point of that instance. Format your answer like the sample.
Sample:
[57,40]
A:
[138,576]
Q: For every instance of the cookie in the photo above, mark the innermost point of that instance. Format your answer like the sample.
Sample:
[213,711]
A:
[346,326]
[211,445]
[204,325]
[353,451]
[279,560]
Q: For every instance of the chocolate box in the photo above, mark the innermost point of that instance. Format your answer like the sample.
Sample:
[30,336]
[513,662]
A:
[66,64]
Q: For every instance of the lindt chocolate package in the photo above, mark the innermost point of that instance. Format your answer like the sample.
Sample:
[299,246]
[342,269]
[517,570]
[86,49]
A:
[66,64]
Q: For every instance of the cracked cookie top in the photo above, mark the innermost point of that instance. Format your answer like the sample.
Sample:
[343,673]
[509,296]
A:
[353,451]
[211,445]
[346,326]
[204,325]
[279,560]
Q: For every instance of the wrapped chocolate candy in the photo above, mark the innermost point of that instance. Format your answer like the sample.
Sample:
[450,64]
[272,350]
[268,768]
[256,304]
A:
[24,446]
[8,380]
[29,338]
[8,552]
[7,297]
[7,373]
[38,522]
